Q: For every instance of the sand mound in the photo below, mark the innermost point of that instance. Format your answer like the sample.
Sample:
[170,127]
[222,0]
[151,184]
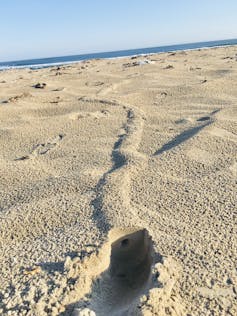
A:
[122,277]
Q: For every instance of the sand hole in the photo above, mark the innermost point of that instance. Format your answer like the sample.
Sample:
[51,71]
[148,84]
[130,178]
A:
[117,290]
[131,259]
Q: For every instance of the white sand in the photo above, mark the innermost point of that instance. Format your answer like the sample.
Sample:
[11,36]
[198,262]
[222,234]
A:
[109,144]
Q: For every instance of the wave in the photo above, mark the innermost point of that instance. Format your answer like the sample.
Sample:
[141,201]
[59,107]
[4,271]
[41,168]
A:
[38,66]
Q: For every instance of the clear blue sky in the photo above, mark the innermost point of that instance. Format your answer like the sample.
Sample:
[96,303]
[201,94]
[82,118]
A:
[45,28]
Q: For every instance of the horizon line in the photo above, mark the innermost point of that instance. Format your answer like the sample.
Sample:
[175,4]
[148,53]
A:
[113,51]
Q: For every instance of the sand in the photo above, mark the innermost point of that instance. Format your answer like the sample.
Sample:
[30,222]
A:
[118,186]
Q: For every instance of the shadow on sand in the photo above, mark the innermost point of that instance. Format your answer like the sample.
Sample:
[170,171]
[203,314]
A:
[184,136]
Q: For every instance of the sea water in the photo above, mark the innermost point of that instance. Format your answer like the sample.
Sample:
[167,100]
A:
[54,61]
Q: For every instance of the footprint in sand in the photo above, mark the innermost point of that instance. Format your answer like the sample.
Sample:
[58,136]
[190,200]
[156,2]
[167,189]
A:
[94,84]
[42,149]
[56,100]
[227,57]
[194,68]
[16,98]
[95,115]
[102,101]
[134,75]
[164,94]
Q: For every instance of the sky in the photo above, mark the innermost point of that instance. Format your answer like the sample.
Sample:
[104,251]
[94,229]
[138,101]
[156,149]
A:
[48,28]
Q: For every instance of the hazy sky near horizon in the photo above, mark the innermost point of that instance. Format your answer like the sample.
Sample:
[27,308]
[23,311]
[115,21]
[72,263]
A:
[46,28]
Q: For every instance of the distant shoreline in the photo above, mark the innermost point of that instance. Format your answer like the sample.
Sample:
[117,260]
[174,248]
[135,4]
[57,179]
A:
[67,60]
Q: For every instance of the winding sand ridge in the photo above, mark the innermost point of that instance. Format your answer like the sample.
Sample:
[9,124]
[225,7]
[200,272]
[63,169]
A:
[118,186]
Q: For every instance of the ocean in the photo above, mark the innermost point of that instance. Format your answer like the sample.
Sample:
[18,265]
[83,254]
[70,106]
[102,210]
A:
[54,61]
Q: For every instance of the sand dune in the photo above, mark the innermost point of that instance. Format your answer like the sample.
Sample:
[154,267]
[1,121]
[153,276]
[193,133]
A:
[118,187]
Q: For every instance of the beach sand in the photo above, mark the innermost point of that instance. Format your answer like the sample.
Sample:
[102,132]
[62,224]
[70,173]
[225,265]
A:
[105,156]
